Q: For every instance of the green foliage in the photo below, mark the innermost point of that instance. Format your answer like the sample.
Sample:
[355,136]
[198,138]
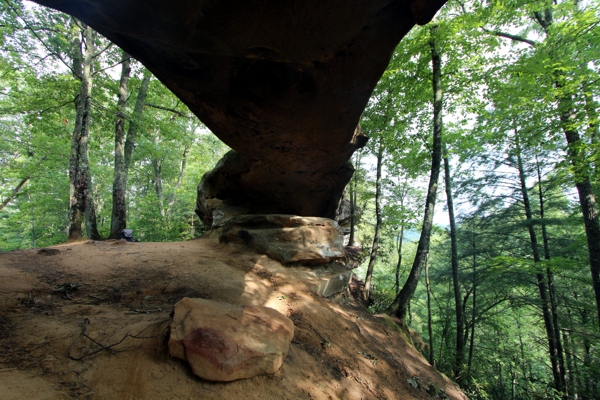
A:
[504,68]
[37,112]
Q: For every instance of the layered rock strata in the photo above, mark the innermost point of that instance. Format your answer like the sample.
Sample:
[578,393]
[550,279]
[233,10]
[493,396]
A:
[288,239]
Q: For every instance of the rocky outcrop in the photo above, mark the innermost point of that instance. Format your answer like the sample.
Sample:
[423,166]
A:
[224,342]
[288,239]
[282,83]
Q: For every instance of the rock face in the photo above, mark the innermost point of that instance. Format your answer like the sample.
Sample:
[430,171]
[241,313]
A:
[288,239]
[224,342]
[282,83]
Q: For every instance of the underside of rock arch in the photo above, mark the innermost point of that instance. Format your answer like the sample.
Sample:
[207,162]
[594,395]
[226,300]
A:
[282,82]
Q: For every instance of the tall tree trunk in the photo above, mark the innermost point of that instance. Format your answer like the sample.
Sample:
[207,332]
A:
[32,222]
[522,351]
[400,305]
[429,321]
[557,373]
[592,117]
[550,279]
[157,166]
[400,241]
[460,340]
[91,223]
[569,382]
[179,180]
[134,124]
[474,310]
[80,180]
[125,144]
[118,220]
[400,238]
[353,192]
[367,293]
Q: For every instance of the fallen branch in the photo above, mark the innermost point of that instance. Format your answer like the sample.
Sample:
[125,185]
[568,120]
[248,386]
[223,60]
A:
[136,311]
[102,347]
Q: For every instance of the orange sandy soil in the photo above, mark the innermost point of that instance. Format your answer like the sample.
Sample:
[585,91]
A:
[127,291]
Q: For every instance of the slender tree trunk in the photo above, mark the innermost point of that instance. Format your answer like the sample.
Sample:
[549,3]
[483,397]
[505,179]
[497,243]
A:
[550,279]
[473,311]
[353,191]
[400,305]
[569,382]
[557,373]
[80,180]
[125,144]
[134,124]
[179,180]
[570,350]
[400,238]
[368,295]
[32,222]
[445,329]
[14,192]
[429,321]
[75,215]
[522,350]
[400,241]
[119,208]
[460,340]
[157,166]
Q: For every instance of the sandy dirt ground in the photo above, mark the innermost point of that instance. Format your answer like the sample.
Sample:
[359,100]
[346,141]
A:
[121,295]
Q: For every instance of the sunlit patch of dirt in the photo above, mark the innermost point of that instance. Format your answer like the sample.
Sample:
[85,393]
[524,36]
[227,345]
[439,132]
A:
[89,320]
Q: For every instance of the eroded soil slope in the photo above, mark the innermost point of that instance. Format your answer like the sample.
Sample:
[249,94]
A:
[121,294]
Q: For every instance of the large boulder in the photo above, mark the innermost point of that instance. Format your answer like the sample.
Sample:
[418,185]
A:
[224,342]
[283,83]
[289,239]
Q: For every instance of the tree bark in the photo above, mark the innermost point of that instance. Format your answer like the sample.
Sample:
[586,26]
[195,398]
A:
[460,340]
[119,208]
[400,237]
[134,124]
[400,241]
[125,144]
[179,180]
[367,293]
[550,280]
[474,310]
[81,199]
[399,307]
[353,198]
[157,166]
[429,322]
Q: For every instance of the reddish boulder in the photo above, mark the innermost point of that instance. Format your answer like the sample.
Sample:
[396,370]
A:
[224,342]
